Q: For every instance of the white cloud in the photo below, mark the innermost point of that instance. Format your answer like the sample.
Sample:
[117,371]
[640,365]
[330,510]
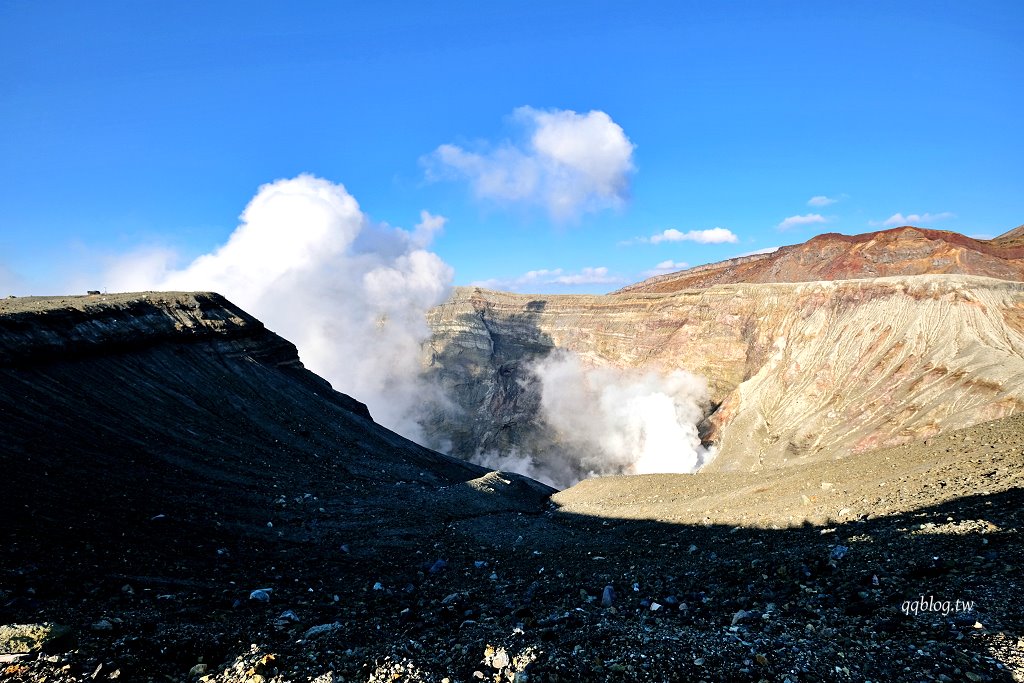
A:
[570,163]
[587,276]
[709,236]
[766,250]
[350,294]
[821,200]
[551,277]
[918,219]
[807,219]
[668,266]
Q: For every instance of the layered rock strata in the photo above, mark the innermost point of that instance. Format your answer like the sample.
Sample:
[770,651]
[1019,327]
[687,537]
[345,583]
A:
[796,371]
[887,253]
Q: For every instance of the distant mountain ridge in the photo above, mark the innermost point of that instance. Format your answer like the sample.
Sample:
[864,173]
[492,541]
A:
[1011,238]
[899,251]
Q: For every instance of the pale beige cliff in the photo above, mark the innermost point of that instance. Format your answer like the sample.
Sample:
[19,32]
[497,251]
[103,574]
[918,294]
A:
[796,371]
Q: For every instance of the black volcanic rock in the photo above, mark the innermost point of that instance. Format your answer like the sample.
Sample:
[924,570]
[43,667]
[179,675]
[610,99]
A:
[164,440]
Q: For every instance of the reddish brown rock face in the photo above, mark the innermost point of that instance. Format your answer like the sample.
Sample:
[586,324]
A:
[900,251]
[801,370]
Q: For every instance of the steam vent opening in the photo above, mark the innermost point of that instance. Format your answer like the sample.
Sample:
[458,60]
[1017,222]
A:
[561,419]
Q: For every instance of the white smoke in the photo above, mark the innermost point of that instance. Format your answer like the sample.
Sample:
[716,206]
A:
[612,421]
[635,422]
[349,293]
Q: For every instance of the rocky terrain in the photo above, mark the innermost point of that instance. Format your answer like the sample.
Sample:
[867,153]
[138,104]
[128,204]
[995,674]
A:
[184,502]
[163,442]
[899,251]
[796,370]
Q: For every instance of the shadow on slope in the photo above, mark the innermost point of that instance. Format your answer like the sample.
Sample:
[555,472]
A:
[930,593]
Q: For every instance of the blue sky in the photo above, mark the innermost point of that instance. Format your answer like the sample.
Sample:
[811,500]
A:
[135,126]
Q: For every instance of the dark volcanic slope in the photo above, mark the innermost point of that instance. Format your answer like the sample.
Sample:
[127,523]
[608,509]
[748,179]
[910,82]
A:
[180,405]
[900,251]
[169,440]
[164,455]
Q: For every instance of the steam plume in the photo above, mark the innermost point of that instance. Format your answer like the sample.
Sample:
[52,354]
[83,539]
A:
[612,421]
[351,294]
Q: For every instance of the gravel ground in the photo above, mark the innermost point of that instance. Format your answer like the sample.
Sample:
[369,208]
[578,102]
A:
[515,597]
